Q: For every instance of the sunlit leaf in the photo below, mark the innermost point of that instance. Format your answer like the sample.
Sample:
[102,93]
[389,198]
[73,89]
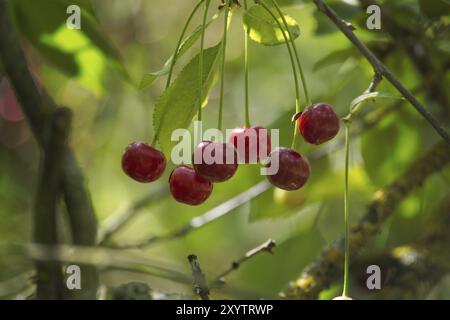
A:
[178,104]
[43,23]
[264,29]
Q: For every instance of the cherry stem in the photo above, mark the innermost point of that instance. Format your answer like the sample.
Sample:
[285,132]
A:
[222,68]
[294,68]
[297,56]
[202,47]
[246,67]
[180,41]
[175,56]
[346,213]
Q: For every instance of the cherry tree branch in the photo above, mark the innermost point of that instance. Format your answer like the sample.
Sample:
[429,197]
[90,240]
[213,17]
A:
[118,220]
[328,266]
[415,46]
[205,219]
[38,109]
[379,67]
[45,227]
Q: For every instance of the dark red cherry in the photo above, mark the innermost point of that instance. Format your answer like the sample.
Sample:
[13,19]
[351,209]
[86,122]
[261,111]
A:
[318,123]
[186,186]
[249,141]
[142,162]
[293,169]
[214,161]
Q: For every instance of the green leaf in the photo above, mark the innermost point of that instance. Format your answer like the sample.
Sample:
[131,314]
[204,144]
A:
[264,30]
[184,47]
[372,96]
[177,106]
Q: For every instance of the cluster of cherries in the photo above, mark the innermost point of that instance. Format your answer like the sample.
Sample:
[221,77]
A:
[317,124]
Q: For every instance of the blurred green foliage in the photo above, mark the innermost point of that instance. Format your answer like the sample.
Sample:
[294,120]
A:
[94,71]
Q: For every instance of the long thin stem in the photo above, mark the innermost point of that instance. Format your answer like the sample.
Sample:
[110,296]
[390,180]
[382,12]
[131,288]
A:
[246,67]
[180,41]
[202,47]
[222,68]
[297,56]
[294,68]
[346,213]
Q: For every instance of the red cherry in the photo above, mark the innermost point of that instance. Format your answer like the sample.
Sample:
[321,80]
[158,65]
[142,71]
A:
[142,162]
[293,169]
[318,123]
[186,186]
[248,142]
[216,162]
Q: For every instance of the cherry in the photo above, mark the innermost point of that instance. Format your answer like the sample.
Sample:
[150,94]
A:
[318,123]
[186,186]
[216,162]
[247,152]
[293,169]
[142,162]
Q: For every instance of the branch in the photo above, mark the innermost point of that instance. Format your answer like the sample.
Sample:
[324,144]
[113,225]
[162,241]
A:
[45,227]
[200,286]
[381,68]
[328,266]
[415,45]
[37,109]
[267,246]
[205,219]
[118,220]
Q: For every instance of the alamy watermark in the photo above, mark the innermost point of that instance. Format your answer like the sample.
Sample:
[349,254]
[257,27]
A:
[74,20]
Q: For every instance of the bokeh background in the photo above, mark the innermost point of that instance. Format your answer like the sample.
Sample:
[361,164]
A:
[87,75]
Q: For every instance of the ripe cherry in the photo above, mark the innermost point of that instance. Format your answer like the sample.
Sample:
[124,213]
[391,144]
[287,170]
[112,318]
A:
[186,186]
[142,162]
[293,169]
[318,123]
[249,143]
[214,161]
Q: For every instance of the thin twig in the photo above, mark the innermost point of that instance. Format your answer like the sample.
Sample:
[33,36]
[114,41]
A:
[375,82]
[267,246]
[118,220]
[200,285]
[205,219]
[381,68]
